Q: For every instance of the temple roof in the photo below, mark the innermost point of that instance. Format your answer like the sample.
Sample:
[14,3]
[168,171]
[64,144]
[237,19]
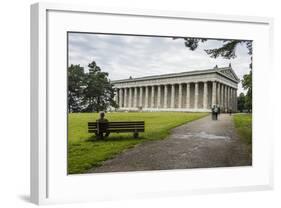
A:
[224,71]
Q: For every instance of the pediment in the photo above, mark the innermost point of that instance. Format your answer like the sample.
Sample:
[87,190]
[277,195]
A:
[228,72]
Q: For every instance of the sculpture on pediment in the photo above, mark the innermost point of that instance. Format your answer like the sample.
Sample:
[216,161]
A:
[228,73]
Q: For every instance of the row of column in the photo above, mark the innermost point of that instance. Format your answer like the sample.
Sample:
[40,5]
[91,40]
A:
[216,94]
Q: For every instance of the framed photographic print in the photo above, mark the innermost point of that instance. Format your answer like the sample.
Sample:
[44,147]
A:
[132,103]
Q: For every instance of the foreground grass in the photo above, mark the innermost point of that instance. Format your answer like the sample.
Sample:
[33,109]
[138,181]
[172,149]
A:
[243,124]
[84,152]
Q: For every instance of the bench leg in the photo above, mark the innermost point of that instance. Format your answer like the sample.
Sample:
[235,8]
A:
[99,136]
[136,135]
[107,134]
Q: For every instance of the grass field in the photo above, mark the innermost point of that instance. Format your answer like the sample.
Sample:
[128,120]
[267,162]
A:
[84,152]
[243,124]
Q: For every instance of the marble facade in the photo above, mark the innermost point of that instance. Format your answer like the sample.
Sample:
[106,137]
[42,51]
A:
[194,91]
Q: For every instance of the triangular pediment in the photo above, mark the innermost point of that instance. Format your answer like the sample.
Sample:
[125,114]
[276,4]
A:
[228,72]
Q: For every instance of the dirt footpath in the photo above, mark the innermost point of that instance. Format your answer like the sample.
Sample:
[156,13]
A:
[199,144]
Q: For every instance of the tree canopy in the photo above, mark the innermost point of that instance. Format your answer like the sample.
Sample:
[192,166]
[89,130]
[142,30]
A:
[75,75]
[91,91]
[227,50]
[247,85]
[241,102]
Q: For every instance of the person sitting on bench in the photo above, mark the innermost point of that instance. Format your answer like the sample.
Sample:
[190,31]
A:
[102,126]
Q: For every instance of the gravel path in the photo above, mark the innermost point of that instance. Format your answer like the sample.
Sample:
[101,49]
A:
[199,144]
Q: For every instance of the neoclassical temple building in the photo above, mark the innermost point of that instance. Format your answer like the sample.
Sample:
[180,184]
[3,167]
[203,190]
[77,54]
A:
[195,91]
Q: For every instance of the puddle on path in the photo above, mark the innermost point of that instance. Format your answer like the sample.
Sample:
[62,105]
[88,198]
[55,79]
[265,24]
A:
[201,135]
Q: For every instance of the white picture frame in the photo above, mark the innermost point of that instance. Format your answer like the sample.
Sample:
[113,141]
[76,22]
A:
[49,180]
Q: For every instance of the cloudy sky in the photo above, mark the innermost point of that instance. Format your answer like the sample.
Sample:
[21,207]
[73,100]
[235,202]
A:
[124,56]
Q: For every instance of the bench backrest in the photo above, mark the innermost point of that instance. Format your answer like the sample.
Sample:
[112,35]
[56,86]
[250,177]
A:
[118,126]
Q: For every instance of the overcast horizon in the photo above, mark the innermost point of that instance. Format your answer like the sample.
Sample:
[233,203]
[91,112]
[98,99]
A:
[138,56]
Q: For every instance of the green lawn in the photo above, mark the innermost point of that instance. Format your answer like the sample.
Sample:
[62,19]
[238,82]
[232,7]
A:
[84,152]
[243,124]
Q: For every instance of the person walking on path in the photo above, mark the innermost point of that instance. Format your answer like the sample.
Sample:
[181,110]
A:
[230,111]
[215,112]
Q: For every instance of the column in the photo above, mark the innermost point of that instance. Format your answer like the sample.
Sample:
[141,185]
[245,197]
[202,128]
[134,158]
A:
[221,96]
[225,97]
[125,97]
[115,98]
[130,98]
[230,98]
[214,92]
[146,97]
[218,94]
[135,96]
[180,96]
[235,100]
[165,96]
[187,95]
[159,97]
[196,95]
[140,98]
[152,96]
[173,96]
[120,98]
[205,95]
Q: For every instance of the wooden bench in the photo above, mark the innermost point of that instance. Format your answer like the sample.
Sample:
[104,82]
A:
[100,128]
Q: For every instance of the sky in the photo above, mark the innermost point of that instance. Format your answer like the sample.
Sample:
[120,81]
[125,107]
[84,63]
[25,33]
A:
[137,56]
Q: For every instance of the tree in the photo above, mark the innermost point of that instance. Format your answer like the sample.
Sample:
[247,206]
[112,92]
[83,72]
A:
[192,43]
[241,102]
[98,92]
[75,74]
[247,85]
[227,50]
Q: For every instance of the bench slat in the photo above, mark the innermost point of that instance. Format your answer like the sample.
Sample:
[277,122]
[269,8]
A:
[131,126]
[120,130]
[113,123]
[128,124]
[116,127]
[119,122]
[110,129]
[110,124]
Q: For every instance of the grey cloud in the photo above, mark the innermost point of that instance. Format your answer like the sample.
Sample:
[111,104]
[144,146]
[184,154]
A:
[124,56]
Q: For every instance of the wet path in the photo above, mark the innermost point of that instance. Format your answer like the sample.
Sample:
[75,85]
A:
[199,144]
